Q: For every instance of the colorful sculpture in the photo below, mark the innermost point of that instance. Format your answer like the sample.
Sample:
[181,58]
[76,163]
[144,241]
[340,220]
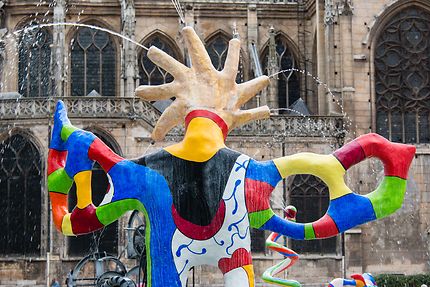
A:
[291,257]
[200,198]
[364,280]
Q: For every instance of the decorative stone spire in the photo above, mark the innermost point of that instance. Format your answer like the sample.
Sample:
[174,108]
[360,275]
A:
[129,69]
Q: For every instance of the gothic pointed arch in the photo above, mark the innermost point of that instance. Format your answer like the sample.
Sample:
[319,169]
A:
[281,56]
[21,179]
[402,76]
[105,240]
[93,59]
[149,73]
[34,60]
[217,47]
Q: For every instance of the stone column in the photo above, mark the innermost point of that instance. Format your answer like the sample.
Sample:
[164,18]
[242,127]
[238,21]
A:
[332,64]
[129,67]
[345,11]
[272,68]
[57,51]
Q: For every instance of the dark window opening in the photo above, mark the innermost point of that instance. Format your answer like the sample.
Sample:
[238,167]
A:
[20,191]
[93,59]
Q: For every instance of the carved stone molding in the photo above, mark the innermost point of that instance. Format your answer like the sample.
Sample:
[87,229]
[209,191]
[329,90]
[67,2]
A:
[277,127]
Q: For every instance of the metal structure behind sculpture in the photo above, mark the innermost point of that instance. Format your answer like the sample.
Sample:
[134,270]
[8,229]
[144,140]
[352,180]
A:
[199,197]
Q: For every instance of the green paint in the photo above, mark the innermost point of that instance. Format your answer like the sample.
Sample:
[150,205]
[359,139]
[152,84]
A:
[66,131]
[59,181]
[110,212]
[309,231]
[388,197]
[259,218]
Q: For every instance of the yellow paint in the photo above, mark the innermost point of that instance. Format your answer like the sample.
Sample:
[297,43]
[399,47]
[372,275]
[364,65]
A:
[66,225]
[202,141]
[326,167]
[250,272]
[83,188]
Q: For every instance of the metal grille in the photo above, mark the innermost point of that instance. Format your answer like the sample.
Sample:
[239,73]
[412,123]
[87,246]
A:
[105,240]
[20,192]
[288,82]
[217,48]
[151,74]
[93,63]
[310,196]
[402,74]
[34,54]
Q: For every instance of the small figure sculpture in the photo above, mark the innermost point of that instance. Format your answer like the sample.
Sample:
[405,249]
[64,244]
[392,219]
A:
[200,198]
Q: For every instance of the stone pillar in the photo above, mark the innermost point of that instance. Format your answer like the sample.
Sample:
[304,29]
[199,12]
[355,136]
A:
[272,68]
[129,67]
[57,51]
[252,44]
[189,21]
[345,11]
[334,100]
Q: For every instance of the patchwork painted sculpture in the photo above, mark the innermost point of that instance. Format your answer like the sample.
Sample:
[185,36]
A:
[364,280]
[200,198]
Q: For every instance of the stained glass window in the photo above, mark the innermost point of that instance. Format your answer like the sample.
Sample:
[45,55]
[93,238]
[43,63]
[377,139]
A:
[93,61]
[402,75]
[288,82]
[21,197]
[106,240]
[34,53]
[217,48]
[310,196]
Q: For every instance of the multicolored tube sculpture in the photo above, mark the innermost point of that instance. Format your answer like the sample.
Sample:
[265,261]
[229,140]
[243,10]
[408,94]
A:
[199,197]
[290,256]
[364,280]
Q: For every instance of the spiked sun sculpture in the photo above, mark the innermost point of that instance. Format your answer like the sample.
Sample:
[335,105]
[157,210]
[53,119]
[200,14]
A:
[200,198]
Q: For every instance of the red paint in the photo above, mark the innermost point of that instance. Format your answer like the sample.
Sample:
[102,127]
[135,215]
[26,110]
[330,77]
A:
[257,195]
[240,257]
[59,208]
[85,220]
[209,115]
[396,157]
[325,227]
[350,154]
[56,160]
[199,232]
[101,153]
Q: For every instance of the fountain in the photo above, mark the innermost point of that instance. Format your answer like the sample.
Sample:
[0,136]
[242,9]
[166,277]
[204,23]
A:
[199,197]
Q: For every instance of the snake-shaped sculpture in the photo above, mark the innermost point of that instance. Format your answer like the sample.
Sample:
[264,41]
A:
[199,197]
[291,257]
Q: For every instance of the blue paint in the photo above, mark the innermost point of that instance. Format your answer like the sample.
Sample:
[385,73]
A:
[351,210]
[285,227]
[149,187]
[265,171]
[77,146]
[233,195]
[60,119]
[349,282]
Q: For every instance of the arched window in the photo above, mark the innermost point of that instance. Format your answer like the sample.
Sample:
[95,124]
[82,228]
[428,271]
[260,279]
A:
[217,48]
[21,197]
[402,77]
[310,196]
[288,82]
[34,54]
[106,240]
[151,74]
[93,59]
